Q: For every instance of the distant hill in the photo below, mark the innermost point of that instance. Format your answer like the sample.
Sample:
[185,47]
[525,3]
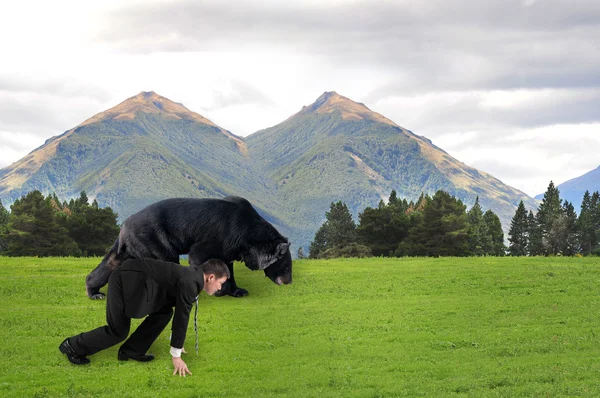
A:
[149,148]
[145,149]
[338,149]
[574,189]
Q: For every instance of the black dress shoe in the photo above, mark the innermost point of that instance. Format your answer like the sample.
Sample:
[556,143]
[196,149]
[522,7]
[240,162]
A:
[66,348]
[124,356]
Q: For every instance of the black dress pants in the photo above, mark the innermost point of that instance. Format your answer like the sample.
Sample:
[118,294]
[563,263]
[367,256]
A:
[118,325]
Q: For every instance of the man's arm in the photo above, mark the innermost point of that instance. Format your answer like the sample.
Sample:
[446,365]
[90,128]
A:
[184,300]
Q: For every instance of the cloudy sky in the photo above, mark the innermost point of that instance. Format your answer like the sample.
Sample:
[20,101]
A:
[509,87]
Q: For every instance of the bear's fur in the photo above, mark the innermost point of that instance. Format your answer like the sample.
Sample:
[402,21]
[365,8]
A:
[228,229]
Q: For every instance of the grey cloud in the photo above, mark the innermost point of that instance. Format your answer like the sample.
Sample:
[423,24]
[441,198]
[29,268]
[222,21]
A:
[550,147]
[239,92]
[205,21]
[501,167]
[438,45]
[56,87]
[582,150]
[15,116]
[469,114]
[42,117]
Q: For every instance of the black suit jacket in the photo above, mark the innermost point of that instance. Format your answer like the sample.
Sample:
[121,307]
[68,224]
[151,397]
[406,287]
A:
[150,285]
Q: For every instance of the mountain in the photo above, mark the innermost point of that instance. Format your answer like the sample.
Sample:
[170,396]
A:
[145,149]
[149,148]
[337,149]
[574,189]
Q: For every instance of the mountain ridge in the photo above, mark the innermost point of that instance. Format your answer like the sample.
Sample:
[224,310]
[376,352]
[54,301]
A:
[148,148]
[323,153]
[574,189]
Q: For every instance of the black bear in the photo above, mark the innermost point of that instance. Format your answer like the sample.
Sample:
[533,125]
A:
[228,229]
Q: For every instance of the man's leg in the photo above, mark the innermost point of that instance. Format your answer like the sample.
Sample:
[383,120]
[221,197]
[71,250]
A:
[117,327]
[140,341]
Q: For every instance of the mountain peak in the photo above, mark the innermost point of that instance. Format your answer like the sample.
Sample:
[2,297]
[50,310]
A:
[148,102]
[326,96]
[331,101]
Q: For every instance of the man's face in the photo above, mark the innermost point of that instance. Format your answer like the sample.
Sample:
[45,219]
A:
[212,284]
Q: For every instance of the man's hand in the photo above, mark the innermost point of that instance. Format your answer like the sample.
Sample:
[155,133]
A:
[180,367]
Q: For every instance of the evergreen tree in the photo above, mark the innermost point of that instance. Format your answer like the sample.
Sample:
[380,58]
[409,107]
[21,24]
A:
[338,230]
[319,244]
[518,236]
[551,211]
[413,245]
[33,229]
[444,229]
[341,229]
[4,215]
[585,225]
[534,244]
[383,228]
[555,236]
[478,233]
[301,253]
[393,200]
[570,245]
[371,229]
[94,229]
[595,211]
[495,234]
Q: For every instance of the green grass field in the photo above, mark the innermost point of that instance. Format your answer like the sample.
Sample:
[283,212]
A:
[365,328]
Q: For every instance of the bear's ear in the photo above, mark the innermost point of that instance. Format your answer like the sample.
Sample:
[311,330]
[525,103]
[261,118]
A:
[281,249]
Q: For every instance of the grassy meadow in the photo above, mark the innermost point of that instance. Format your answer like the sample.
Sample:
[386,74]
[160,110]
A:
[350,327]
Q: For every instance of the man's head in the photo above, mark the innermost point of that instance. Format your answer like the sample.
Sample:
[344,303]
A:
[215,274]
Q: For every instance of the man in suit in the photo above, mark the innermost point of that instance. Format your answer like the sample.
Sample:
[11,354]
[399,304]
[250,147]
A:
[145,287]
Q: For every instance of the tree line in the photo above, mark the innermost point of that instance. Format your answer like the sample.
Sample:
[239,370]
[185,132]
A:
[556,229]
[45,226]
[431,226]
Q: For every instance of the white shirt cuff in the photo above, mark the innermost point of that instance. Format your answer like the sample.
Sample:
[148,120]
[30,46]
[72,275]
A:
[175,352]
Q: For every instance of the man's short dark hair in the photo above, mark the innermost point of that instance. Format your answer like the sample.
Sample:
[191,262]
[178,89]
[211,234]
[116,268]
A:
[216,267]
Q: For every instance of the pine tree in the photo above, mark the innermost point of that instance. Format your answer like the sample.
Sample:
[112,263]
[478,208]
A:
[337,231]
[556,236]
[301,253]
[371,229]
[534,246]
[585,225]
[413,245]
[478,233]
[4,215]
[94,229]
[393,200]
[342,229]
[383,228]
[319,244]
[444,228]
[518,236]
[495,233]
[570,245]
[551,211]
[595,211]
[33,229]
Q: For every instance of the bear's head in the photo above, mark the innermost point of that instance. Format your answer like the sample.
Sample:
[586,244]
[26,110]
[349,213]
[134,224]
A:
[280,272]
[273,257]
